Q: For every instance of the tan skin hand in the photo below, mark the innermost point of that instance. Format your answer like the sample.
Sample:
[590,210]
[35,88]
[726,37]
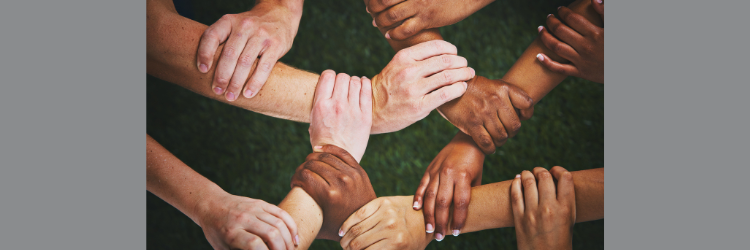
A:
[337,183]
[544,214]
[404,19]
[381,224]
[496,109]
[263,34]
[448,180]
[576,39]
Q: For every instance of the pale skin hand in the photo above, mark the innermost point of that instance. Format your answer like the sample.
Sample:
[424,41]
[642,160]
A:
[342,113]
[228,221]
[490,208]
[580,41]
[404,19]
[306,213]
[544,215]
[266,32]
[172,45]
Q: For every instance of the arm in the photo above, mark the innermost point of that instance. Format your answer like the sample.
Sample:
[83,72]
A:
[228,221]
[306,213]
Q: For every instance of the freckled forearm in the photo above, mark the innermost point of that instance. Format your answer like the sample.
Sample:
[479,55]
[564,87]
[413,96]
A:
[306,213]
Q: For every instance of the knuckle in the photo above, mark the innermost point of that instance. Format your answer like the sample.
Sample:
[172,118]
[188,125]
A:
[402,54]
[356,230]
[446,60]
[247,61]
[528,183]
[447,76]
[392,15]
[356,244]
[229,51]
[443,202]
[567,176]
[247,23]
[391,224]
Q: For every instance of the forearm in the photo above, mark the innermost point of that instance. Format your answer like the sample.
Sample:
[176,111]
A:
[306,213]
[490,205]
[172,45]
[174,182]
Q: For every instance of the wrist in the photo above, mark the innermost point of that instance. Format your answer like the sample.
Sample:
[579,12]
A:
[207,202]
[294,6]
[378,118]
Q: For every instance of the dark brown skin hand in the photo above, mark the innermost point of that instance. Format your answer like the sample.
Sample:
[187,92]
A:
[337,183]
[490,112]
[576,39]
[544,217]
[448,181]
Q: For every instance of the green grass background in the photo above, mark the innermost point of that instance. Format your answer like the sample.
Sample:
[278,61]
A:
[254,155]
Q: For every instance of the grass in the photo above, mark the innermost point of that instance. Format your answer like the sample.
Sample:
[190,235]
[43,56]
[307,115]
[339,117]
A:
[254,155]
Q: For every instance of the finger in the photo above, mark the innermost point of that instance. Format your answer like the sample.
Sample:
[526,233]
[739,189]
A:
[447,77]
[580,24]
[270,235]
[516,199]
[408,28]
[286,218]
[375,6]
[324,90]
[461,200]
[228,62]
[546,186]
[519,98]
[395,15]
[560,48]
[246,240]
[598,6]
[210,40]
[358,219]
[531,195]
[365,234]
[507,114]
[286,236]
[443,205]
[262,71]
[428,208]
[564,32]
[365,98]
[565,187]
[445,94]
[482,138]
[341,87]
[244,66]
[355,85]
[565,69]
[341,154]
[526,114]
[477,180]
[374,24]
[427,49]
[496,129]
[419,195]
[437,64]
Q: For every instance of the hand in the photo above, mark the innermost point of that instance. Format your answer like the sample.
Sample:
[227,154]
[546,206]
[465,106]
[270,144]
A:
[418,79]
[582,44]
[545,220]
[337,183]
[448,180]
[235,222]
[404,19]
[488,112]
[266,32]
[381,224]
[342,113]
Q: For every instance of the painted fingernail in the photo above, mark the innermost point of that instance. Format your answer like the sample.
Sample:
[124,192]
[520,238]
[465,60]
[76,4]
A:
[367,9]
[540,28]
[549,15]
[540,57]
[456,232]
[248,93]
[203,68]
[430,229]
[217,90]
[439,237]
[416,205]
[388,35]
[600,1]
[374,24]
[341,232]
[518,176]
[230,96]
[296,240]
[558,7]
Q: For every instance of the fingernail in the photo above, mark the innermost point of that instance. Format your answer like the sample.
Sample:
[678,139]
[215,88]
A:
[466,85]
[540,28]
[518,176]
[600,1]
[387,35]
[540,57]
[296,240]
[416,205]
[217,90]
[230,96]
[439,237]
[367,9]
[473,73]
[248,93]
[456,232]
[318,147]
[341,232]
[203,68]
[374,24]
[558,7]
[549,15]
[430,229]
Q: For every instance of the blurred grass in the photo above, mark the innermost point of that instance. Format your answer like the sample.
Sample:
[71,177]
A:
[253,155]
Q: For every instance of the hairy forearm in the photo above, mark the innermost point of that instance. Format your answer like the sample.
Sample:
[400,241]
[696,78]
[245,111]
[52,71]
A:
[490,205]
[172,45]
[174,182]
[306,213]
